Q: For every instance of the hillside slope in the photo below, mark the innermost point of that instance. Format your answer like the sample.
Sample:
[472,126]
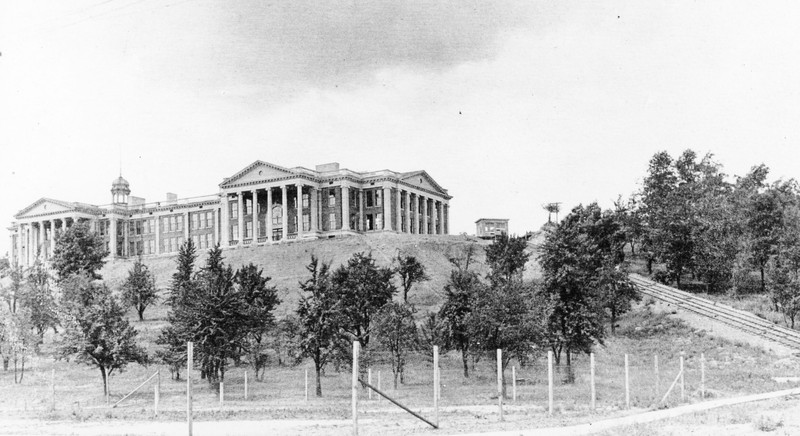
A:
[286,263]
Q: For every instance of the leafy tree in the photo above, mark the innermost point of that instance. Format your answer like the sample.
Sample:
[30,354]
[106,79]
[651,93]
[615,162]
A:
[397,334]
[318,313]
[76,250]
[19,340]
[38,298]
[362,288]
[506,257]
[411,272]
[97,332]
[432,331]
[783,270]
[139,289]
[616,291]
[461,290]
[585,242]
[259,301]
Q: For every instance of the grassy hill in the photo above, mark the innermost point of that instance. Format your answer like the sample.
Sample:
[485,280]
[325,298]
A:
[286,263]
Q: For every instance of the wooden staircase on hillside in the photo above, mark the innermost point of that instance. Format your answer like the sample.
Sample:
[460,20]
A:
[742,320]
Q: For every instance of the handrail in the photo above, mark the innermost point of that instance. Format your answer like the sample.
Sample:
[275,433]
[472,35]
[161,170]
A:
[136,389]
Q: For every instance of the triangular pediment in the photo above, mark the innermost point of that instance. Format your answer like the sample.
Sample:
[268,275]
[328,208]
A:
[423,180]
[45,206]
[256,171]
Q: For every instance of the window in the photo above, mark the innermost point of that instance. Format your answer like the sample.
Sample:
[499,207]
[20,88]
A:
[378,197]
[248,229]
[195,221]
[378,221]
[196,241]
[179,223]
[306,201]
[369,199]
[332,221]
[248,207]
[234,210]
[235,231]
[277,234]
[306,223]
[209,220]
[277,215]
[331,199]
[209,240]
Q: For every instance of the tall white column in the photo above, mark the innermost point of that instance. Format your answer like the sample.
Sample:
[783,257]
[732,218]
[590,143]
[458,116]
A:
[126,228]
[440,218]
[387,208]
[240,215]
[434,217]
[269,214]
[408,213]
[112,237]
[312,204]
[255,215]
[299,208]
[345,208]
[360,224]
[285,210]
[424,220]
[446,213]
[397,219]
[157,222]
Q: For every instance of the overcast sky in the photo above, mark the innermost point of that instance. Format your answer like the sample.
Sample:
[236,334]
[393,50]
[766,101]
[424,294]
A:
[509,105]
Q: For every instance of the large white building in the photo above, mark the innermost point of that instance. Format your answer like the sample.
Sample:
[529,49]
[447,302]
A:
[261,204]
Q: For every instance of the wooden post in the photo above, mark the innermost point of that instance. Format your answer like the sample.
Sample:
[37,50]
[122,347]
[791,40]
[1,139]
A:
[500,381]
[306,383]
[683,386]
[221,393]
[245,385]
[591,380]
[108,389]
[355,388]
[436,384]
[379,385]
[369,380]
[189,361]
[658,377]
[550,382]
[627,385]
[702,375]
[514,383]
[155,401]
[53,388]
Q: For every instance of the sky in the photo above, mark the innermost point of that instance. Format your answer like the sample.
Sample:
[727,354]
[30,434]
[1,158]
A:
[508,105]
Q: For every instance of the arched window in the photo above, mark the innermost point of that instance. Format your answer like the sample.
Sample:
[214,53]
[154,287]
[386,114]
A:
[277,215]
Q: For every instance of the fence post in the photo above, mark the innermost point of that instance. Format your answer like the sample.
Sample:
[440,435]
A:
[591,380]
[221,393]
[245,385]
[658,377]
[683,386]
[550,382]
[189,361]
[500,381]
[379,385]
[702,376]
[514,383]
[53,386]
[155,401]
[306,384]
[436,384]
[369,381]
[355,388]
[627,385]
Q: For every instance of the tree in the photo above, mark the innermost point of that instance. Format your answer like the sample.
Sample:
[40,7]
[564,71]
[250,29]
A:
[506,257]
[462,288]
[139,289]
[37,297]
[260,300]
[318,314]
[397,334]
[18,337]
[78,249]
[182,291]
[783,270]
[98,333]
[411,272]
[363,289]
[585,242]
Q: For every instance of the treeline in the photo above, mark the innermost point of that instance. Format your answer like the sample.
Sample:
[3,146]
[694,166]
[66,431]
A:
[694,224]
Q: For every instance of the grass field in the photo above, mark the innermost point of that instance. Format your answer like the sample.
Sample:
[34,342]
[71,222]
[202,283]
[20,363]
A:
[466,404]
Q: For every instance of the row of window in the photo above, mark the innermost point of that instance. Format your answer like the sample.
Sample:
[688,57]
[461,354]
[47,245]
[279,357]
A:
[202,220]
[247,206]
[172,245]
[203,242]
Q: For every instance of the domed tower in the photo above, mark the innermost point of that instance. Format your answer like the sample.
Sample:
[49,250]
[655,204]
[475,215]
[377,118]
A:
[119,191]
